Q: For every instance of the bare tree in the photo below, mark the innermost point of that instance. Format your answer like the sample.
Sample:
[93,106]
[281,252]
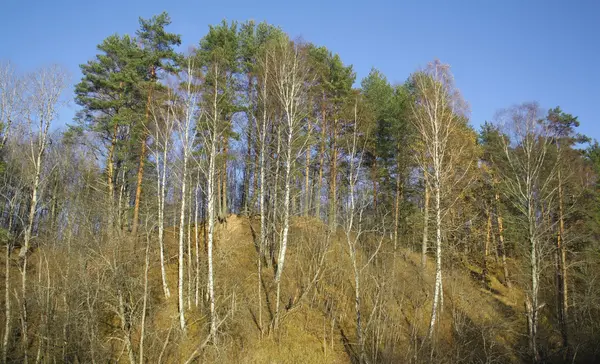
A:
[211,134]
[41,101]
[12,202]
[44,89]
[289,76]
[527,183]
[186,137]
[163,115]
[353,229]
[9,100]
[425,240]
[262,124]
[438,115]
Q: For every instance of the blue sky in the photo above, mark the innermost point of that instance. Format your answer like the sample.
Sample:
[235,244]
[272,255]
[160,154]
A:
[501,52]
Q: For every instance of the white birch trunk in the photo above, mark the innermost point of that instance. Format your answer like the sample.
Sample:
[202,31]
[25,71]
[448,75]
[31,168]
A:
[180,282]
[186,134]
[7,313]
[197,243]
[289,84]
[286,220]
[213,140]
[437,293]
[145,303]
[161,179]
[263,217]
[210,191]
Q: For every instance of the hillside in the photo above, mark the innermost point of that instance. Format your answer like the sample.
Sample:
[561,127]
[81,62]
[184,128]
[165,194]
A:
[477,325]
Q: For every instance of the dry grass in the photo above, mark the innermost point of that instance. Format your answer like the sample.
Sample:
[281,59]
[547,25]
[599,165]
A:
[478,323]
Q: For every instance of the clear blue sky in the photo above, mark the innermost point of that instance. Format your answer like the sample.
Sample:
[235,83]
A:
[501,52]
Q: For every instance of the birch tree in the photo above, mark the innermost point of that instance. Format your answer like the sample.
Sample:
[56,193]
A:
[163,115]
[44,89]
[355,210]
[438,114]
[185,128]
[262,121]
[289,77]
[9,98]
[42,100]
[527,181]
[211,132]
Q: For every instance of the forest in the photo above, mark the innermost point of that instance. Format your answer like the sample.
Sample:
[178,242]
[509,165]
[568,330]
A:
[249,200]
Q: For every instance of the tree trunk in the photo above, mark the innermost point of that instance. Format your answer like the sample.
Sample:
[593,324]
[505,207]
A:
[425,222]
[211,231]
[33,206]
[140,173]
[438,255]
[275,199]
[532,306]
[357,308]
[321,161]
[7,313]
[224,211]
[397,209]
[181,306]
[486,246]
[263,211]
[561,268]
[502,245]
[138,188]
[110,172]
[286,218]
[144,303]
[210,192]
[24,320]
[333,179]
[161,193]
[189,247]
[307,188]
[197,241]
[246,178]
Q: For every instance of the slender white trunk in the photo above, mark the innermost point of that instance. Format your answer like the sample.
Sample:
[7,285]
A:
[186,133]
[181,245]
[211,231]
[189,250]
[33,207]
[211,210]
[437,187]
[286,215]
[438,260]
[161,184]
[27,238]
[275,196]
[534,306]
[263,217]
[145,303]
[351,240]
[197,243]
[6,302]
[24,326]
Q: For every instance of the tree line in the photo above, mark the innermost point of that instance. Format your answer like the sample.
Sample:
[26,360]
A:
[166,146]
